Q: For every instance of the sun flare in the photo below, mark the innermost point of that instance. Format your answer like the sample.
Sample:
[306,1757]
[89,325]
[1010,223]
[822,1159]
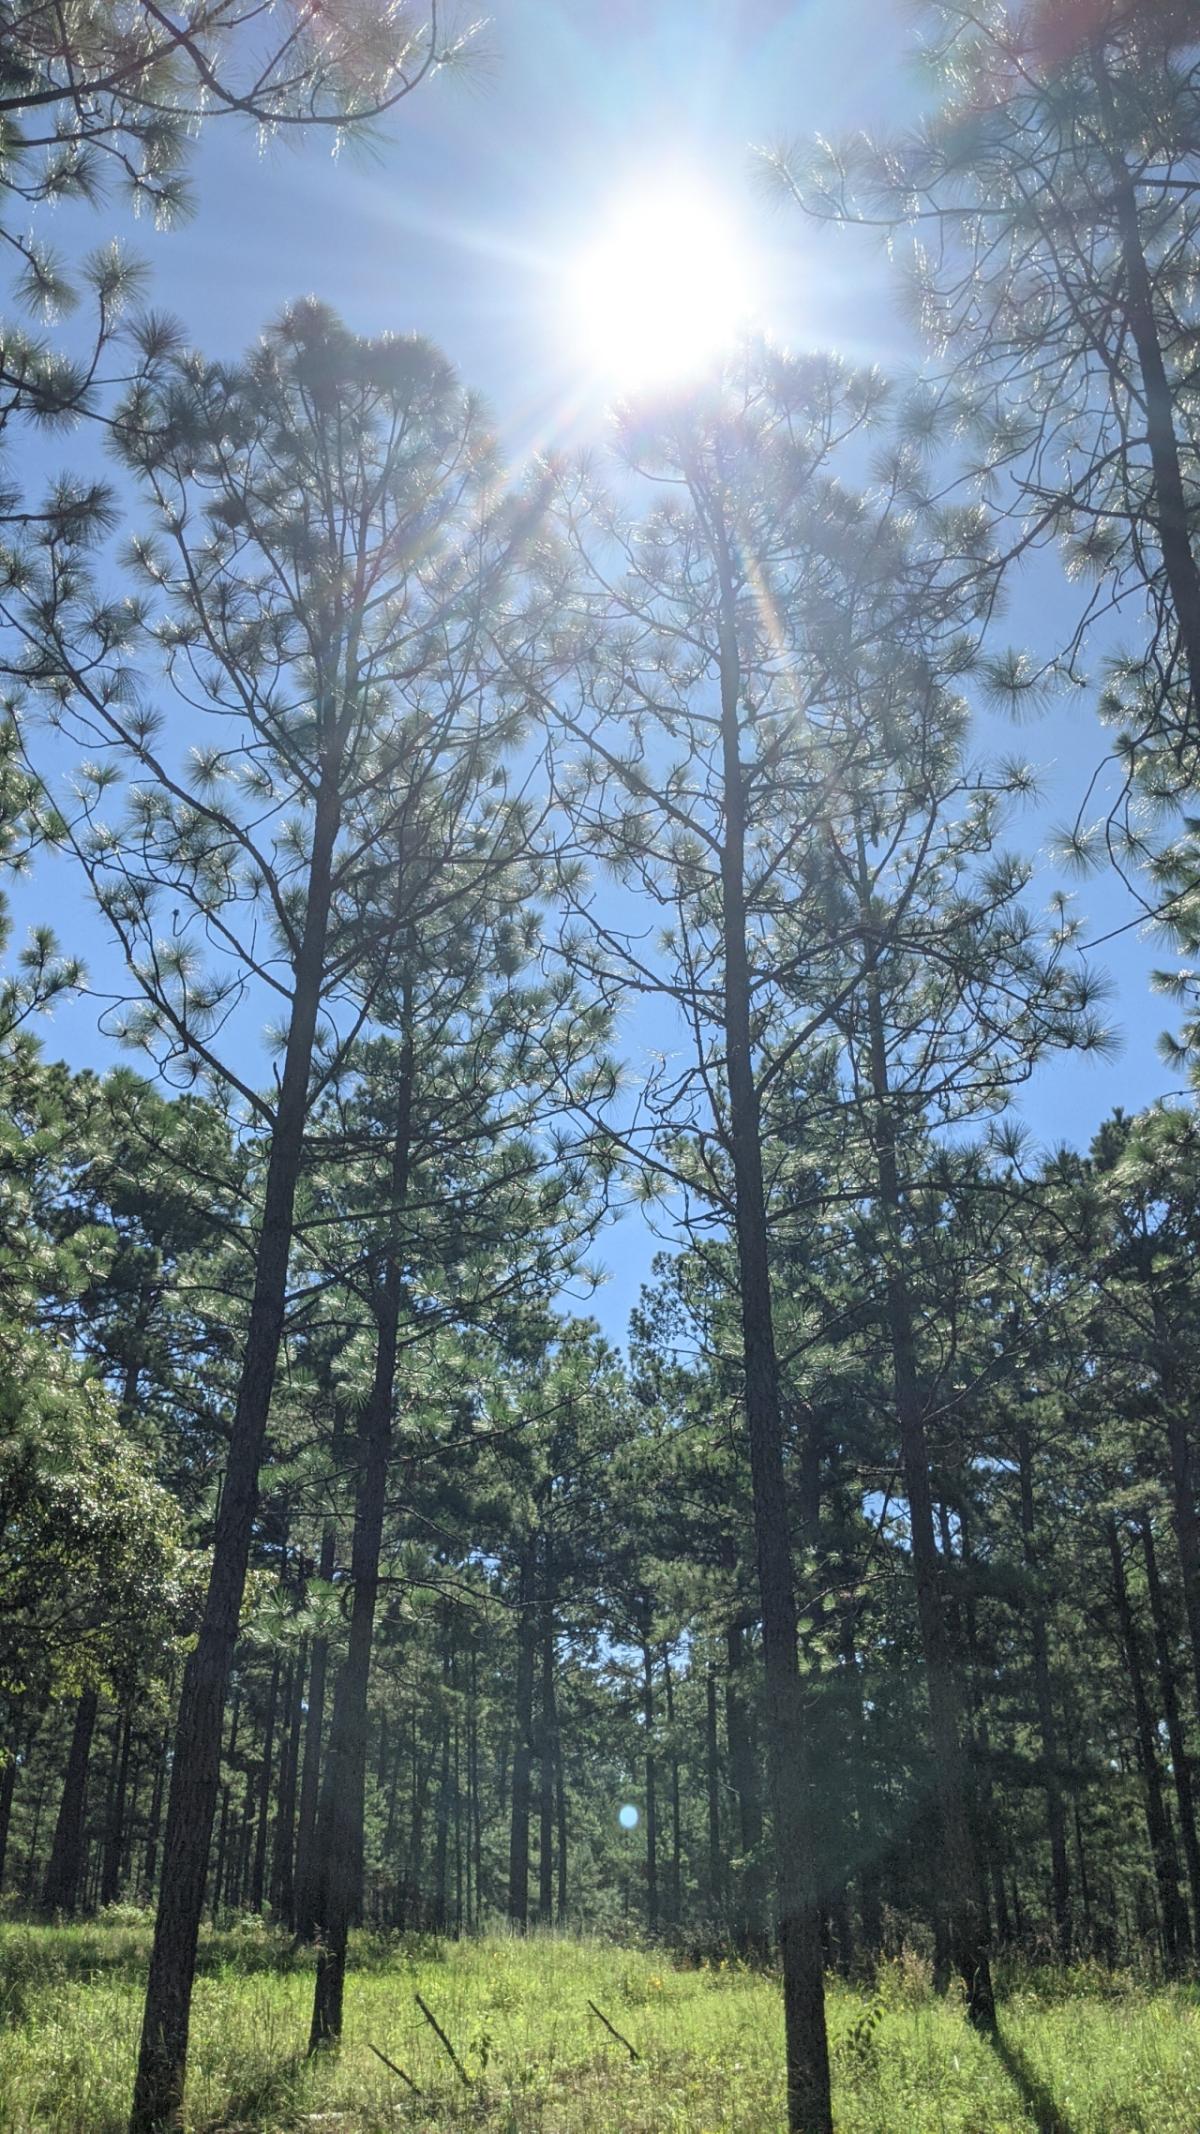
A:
[665,286]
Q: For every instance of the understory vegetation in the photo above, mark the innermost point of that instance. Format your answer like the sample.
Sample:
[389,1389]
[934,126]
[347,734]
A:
[1080,2051]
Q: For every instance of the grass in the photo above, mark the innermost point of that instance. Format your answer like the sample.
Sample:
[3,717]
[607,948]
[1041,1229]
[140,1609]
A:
[1079,2054]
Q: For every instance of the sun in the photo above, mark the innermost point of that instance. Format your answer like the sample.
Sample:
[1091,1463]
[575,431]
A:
[664,287]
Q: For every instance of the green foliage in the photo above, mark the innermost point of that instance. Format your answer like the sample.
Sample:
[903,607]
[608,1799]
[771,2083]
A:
[1112,2056]
[92,1575]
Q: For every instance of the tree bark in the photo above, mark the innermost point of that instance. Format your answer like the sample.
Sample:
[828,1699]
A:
[314,1724]
[258,1885]
[518,1842]
[339,1838]
[8,1782]
[547,1765]
[712,1784]
[560,1799]
[283,1864]
[154,1820]
[61,1891]
[960,1882]
[114,1835]
[1183,1511]
[809,2109]
[1174,1920]
[675,1883]
[748,1904]
[196,1766]
[441,1837]
[1172,517]
[1056,1821]
[651,1767]
[1181,1766]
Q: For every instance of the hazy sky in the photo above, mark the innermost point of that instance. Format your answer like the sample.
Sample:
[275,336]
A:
[463,222]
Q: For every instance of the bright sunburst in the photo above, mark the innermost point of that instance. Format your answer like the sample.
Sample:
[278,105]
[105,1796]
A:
[663,289]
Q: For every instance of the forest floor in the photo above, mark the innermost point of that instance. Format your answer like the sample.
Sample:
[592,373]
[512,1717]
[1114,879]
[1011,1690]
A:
[1078,2053]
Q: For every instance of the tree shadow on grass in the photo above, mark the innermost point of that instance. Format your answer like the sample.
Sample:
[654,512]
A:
[1049,2116]
[264,2091]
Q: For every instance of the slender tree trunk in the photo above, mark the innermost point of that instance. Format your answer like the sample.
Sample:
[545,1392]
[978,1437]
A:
[441,1840]
[960,1881]
[240,1893]
[283,1865]
[864,1795]
[258,1886]
[809,2109]
[114,1835]
[651,1776]
[474,1804]
[1183,1514]
[1181,1766]
[8,1782]
[303,1921]
[196,1766]
[749,1905]
[712,1783]
[461,1865]
[1172,514]
[39,1802]
[221,1863]
[560,1778]
[1085,1889]
[518,1843]
[987,1819]
[675,1884]
[339,1841]
[1158,1823]
[64,1874]
[154,1821]
[547,1759]
[1035,1609]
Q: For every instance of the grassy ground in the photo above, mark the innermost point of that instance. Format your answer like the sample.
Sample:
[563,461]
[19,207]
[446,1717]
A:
[1078,2055]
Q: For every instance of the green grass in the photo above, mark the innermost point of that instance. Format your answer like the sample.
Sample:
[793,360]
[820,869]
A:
[1078,2055]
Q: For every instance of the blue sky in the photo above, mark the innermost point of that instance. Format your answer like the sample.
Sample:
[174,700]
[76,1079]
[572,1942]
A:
[462,223]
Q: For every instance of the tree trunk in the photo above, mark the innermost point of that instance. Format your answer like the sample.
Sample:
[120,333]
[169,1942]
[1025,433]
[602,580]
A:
[64,1874]
[1158,1823]
[547,1764]
[675,1884]
[154,1821]
[651,1777]
[749,1898]
[283,1865]
[518,1842]
[1035,1608]
[310,1777]
[441,1839]
[960,1881]
[258,1886]
[712,1782]
[1183,1513]
[560,1799]
[196,1766]
[114,1834]
[8,1781]
[987,1819]
[339,1838]
[474,1804]
[809,2109]
[1172,516]
[1181,1766]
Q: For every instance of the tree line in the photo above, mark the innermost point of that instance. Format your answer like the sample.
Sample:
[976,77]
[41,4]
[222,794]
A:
[348,1575]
